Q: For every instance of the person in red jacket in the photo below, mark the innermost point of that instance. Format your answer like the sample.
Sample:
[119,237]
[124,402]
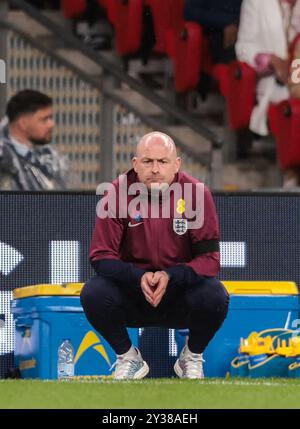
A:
[156,255]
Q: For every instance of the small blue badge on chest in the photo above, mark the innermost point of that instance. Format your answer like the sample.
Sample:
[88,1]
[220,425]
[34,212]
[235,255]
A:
[180,226]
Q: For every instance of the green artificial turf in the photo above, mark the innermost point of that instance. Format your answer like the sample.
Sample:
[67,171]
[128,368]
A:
[151,393]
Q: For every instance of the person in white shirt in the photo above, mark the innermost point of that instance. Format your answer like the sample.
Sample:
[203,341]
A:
[266,30]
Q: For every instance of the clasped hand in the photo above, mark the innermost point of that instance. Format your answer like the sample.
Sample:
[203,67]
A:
[154,286]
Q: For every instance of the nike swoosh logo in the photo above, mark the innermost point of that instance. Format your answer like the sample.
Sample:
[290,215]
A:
[134,224]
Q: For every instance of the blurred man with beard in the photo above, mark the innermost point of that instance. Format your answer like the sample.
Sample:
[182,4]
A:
[27,160]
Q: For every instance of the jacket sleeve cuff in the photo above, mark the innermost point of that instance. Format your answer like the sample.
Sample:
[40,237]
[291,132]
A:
[182,274]
[120,271]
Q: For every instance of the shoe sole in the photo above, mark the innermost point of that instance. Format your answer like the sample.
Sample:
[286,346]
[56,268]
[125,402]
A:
[141,373]
[177,369]
[179,372]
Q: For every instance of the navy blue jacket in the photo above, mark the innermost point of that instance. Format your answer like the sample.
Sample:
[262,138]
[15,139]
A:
[216,14]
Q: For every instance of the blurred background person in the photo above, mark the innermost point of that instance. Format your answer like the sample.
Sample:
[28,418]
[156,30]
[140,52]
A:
[219,20]
[27,159]
[266,31]
[292,175]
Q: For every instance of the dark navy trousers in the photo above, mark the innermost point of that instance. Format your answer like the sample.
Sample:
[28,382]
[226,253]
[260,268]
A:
[111,308]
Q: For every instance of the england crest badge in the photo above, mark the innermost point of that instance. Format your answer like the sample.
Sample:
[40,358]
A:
[180,226]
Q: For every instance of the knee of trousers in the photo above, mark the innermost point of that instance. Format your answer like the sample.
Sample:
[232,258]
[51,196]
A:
[99,293]
[209,297]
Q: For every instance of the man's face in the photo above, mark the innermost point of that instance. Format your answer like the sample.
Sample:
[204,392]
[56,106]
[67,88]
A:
[39,126]
[156,162]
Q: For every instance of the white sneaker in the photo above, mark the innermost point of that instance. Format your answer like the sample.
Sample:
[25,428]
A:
[130,367]
[189,365]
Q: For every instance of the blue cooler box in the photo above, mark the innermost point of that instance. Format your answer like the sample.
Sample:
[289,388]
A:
[254,306]
[44,316]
